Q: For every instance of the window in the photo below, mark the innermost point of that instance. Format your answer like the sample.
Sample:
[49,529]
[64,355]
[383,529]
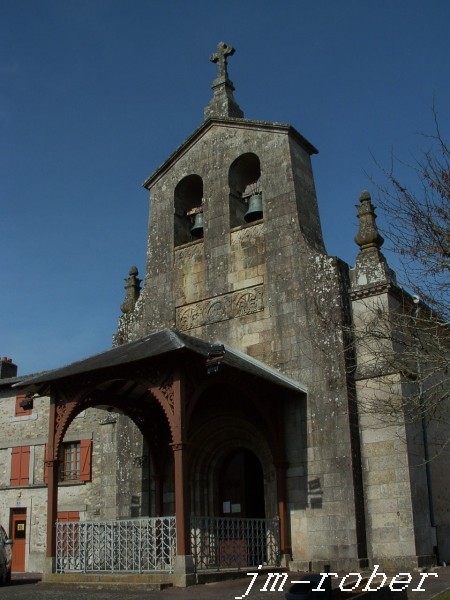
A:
[24,406]
[20,465]
[70,462]
[75,461]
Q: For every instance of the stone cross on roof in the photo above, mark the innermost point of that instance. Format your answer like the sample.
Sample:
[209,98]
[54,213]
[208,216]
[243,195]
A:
[220,57]
[222,104]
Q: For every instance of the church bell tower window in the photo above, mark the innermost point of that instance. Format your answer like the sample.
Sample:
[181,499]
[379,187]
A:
[188,210]
[244,179]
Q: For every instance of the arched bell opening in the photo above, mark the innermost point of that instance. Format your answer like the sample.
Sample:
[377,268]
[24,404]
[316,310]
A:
[245,196]
[188,210]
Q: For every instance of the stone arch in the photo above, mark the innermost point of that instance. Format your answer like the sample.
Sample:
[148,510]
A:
[214,434]
[133,398]
[266,415]
[243,179]
[188,195]
[69,405]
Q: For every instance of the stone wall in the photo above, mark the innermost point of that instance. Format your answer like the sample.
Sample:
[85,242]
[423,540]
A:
[395,486]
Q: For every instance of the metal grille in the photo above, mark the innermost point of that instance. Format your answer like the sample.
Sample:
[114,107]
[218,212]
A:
[135,545]
[227,543]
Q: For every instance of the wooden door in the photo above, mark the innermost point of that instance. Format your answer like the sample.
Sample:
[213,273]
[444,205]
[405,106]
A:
[19,537]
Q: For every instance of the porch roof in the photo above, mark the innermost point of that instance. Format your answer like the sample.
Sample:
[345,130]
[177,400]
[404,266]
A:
[157,344]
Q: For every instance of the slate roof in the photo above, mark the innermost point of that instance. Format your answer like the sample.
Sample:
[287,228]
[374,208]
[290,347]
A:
[157,344]
[7,382]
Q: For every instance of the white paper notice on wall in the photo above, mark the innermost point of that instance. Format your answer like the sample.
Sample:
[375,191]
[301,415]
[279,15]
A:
[226,507]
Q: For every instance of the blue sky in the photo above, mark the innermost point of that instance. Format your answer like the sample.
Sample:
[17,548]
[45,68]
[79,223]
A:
[96,94]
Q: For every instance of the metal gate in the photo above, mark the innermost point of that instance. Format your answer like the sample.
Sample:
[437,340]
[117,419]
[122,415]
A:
[234,543]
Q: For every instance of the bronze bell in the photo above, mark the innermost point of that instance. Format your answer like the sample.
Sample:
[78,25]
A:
[197,227]
[255,210]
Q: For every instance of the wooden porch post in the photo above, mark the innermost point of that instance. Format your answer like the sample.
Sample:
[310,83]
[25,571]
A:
[181,500]
[51,466]
[184,567]
[285,549]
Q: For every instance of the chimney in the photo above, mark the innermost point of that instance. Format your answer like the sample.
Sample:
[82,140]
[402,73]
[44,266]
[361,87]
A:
[7,368]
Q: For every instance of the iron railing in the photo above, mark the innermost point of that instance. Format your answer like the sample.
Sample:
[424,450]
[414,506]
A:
[134,545]
[143,545]
[230,543]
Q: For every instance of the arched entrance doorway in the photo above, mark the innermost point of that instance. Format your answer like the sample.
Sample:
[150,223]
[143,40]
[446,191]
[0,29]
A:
[233,480]
[241,486]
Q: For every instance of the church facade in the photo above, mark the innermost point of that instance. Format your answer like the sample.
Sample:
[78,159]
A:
[234,390]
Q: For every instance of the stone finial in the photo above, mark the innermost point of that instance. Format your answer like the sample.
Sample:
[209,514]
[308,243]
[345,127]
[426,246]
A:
[368,235]
[222,104]
[371,269]
[133,289]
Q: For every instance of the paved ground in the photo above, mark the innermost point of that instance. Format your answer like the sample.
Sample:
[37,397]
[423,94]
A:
[29,586]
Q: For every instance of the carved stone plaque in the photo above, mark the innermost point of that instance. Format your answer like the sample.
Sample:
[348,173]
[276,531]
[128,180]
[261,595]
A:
[235,304]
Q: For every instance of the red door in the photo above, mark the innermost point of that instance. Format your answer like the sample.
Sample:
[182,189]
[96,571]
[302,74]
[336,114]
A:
[19,536]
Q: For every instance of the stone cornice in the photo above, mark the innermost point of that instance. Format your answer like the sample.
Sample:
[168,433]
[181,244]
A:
[375,290]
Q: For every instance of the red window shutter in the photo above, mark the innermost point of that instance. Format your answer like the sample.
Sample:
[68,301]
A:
[20,412]
[25,466]
[15,465]
[68,516]
[20,465]
[85,460]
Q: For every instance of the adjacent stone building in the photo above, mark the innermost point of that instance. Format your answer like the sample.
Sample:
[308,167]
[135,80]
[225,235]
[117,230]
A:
[235,386]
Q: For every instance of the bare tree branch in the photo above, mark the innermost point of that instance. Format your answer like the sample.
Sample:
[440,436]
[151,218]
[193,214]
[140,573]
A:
[403,348]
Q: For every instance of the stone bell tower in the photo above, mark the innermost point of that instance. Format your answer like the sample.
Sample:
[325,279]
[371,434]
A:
[236,255]
[201,278]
